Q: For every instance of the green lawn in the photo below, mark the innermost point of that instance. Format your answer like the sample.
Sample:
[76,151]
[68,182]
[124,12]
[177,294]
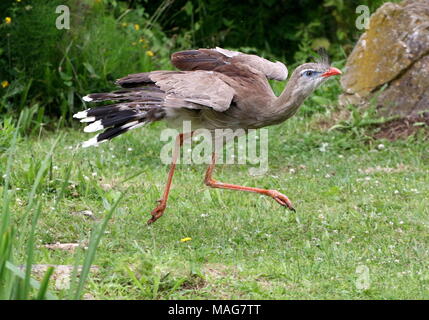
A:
[359,207]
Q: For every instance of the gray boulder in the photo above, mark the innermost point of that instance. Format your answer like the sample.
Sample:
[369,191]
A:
[393,55]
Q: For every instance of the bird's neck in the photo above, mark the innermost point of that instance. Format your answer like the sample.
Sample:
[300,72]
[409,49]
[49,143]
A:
[286,105]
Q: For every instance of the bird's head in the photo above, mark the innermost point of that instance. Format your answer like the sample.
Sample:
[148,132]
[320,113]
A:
[309,76]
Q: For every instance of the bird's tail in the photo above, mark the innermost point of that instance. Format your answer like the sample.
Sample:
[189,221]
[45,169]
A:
[133,108]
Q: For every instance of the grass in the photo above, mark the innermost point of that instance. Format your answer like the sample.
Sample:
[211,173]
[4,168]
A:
[359,207]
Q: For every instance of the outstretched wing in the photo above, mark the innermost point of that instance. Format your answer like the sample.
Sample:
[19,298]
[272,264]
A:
[216,59]
[183,89]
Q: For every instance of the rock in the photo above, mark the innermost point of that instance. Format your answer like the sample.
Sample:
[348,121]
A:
[86,213]
[393,55]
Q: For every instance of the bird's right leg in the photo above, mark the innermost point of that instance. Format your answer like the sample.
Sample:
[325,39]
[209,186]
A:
[279,197]
[159,210]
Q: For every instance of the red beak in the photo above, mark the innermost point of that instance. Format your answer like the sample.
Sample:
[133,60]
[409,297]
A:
[332,72]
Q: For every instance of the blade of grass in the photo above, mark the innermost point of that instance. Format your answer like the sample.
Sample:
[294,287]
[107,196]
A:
[133,176]
[6,231]
[30,251]
[134,279]
[43,290]
[11,151]
[6,281]
[95,238]
[44,166]
[64,184]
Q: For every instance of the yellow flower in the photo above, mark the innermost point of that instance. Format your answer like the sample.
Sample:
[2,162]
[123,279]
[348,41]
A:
[8,20]
[150,53]
[186,239]
[136,27]
[124,24]
[5,84]
[18,0]
[142,40]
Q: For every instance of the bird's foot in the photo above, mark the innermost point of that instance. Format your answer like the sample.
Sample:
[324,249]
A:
[281,199]
[157,212]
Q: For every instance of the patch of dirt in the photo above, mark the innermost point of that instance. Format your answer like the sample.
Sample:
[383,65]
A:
[85,213]
[61,246]
[265,284]
[395,129]
[403,127]
[61,275]
[215,273]
[218,270]
[196,283]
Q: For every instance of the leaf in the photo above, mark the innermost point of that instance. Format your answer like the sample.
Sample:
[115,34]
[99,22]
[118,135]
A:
[65,76]
[189,8]
[91,70]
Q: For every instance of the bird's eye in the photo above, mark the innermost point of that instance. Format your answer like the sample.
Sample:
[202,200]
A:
[309,73]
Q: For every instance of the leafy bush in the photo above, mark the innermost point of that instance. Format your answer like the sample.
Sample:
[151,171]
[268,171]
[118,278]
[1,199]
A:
[277,27]
[57,67]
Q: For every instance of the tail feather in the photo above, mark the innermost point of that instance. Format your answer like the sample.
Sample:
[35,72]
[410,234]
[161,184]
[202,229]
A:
[136,107]
[142,79]
[129,94]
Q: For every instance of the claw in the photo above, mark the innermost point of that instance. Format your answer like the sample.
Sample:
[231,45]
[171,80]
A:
[157,212]
[281,199]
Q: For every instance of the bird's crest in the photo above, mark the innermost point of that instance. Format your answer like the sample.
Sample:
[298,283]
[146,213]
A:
[323,57]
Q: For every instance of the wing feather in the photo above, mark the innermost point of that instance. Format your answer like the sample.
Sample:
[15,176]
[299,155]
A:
[185,89]
[215,59]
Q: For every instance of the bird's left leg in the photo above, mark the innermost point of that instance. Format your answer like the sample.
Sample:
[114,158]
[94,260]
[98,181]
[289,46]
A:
[159,210]
[279,197]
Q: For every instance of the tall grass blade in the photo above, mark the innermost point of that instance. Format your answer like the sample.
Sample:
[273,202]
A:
[30,252]
[95,238]
[44,166]
[43,290]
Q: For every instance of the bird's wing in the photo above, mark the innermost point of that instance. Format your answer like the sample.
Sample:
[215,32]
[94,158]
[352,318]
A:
[194,90]
[215,59]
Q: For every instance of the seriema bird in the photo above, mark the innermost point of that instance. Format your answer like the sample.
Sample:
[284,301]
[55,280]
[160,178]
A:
[215,89]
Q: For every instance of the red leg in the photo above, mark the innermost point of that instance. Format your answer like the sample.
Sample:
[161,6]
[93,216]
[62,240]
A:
[159,210]
[279,197]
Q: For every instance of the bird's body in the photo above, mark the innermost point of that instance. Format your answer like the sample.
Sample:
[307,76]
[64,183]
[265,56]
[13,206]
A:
[215,89]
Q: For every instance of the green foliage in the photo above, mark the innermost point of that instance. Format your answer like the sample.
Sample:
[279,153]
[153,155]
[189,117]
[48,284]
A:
[360,121]
[7,129]
[49,70]
[55,68]
[16,281]
[275,27]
